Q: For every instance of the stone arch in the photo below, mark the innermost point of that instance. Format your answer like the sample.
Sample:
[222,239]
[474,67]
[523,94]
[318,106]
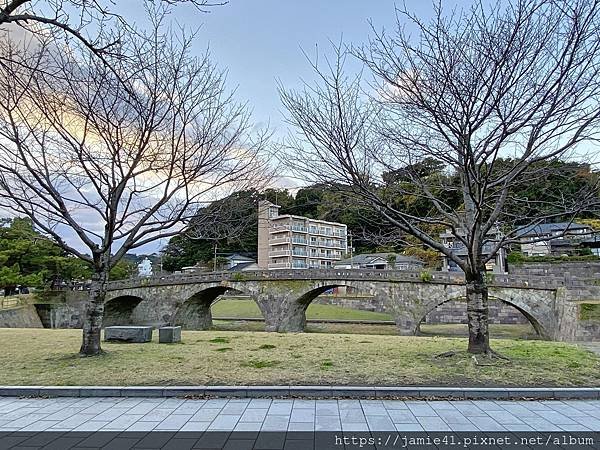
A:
[194,312]
[533,320]
[293,316]
[307,298]
[119,310]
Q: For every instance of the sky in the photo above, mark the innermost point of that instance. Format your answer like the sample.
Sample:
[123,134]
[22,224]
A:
[260,42]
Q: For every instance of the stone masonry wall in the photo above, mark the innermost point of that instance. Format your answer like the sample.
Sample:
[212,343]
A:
[588,330]
[366,303]
[22,317]
[456,312]
[451,312]
[60,315]
[580,269]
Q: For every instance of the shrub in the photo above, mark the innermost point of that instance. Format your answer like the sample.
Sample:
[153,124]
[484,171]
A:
[589,311]
[516,258]
[238,276]
[426,276]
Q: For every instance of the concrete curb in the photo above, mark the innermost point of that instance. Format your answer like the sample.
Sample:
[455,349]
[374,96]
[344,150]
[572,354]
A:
[351,392]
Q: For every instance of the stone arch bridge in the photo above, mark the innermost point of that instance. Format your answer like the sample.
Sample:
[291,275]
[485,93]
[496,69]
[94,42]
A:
[550,304]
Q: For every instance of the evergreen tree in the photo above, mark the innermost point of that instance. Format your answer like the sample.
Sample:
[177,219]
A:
[28,258]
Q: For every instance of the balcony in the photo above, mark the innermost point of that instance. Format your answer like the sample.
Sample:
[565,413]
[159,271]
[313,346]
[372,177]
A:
[279,240]
[284,265]
[299,265]
[301,241]
[299,253]
[299,228]
[275,253]
[330,244]
[279,229]
[326,255]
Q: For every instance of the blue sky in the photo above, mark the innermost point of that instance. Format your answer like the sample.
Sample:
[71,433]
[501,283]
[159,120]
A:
[260,41]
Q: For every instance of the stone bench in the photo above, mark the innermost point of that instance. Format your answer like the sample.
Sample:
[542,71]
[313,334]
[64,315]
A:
[169,335]
[134,334]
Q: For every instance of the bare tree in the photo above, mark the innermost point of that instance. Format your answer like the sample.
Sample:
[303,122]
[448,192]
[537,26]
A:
[74,17]
[497,94]
[117,156]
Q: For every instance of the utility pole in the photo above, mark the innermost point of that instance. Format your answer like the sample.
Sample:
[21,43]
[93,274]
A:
[215,260]
[351,250]
[161,253]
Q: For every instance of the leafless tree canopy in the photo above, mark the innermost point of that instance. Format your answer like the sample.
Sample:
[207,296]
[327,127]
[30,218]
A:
[497,94]
[90,22]
[118,154]
[77,150]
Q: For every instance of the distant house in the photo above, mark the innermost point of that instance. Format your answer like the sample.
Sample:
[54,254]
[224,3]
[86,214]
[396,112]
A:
[380,261]
[193,269]
[593,243]
[562,238]
[497,264]
[244,267]
[236,259]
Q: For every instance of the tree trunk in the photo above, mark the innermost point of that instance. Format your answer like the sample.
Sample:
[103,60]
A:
[477,312]
[92,324]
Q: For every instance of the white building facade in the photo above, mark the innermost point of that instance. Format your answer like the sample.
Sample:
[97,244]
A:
[296,242]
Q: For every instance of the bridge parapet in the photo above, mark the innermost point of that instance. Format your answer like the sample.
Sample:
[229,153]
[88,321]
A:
[522,281]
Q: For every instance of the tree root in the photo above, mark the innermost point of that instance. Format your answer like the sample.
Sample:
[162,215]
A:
[445,354]
[477,363]
[494,354]
[490,355]
[85,355]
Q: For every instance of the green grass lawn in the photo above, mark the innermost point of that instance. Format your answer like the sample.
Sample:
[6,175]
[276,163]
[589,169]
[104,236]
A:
[498,331]
[48,357]
[249,309]
[241,308]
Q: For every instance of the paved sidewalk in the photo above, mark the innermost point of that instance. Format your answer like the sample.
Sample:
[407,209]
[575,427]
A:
[159,414]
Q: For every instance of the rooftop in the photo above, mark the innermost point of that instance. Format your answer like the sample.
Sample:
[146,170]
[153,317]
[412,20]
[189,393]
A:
[547,228]
[369,258]
[242,266]
[290,216]
[238,257]
[266,203]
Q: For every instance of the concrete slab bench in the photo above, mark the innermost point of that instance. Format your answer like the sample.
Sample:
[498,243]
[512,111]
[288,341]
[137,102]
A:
[169,335]
[133,334]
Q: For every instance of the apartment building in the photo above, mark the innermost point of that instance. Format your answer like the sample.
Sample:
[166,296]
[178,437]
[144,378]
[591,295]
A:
[295,242]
